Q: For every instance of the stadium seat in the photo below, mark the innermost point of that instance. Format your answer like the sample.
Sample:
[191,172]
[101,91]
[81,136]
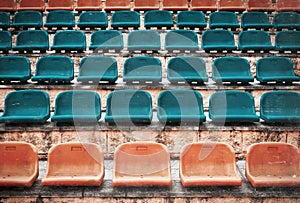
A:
[144,40]
[259,5]
[26,106]
[5,41]
[231,69]
[142,69]
[287,5]
[275,69]
[175,5]
[255,19]
[289,20]
[187,69]
[30,40]
[255,40]
[181,40]
[204,5]
[232,106]
[69,40]
[129,107]
[38,5]
[273,164]
[54,69]
[77,106]
[88,5]
[287,40]
[191,19]
[141,164]
[218,40]
[106,40]
[125,19]
[27,19]
[8,5]
[112,5]
[60,19]
[98,69]
[60,5]
[92,20]
[74,164]
[18,164]
[180,106]
[4,20]
[14,68]
[158,19]
[223,19]
[208,164]
[144,5]
[232,5]
[280,106]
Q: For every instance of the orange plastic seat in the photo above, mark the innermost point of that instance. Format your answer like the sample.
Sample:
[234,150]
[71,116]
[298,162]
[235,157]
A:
[111,5]
[144,5]
[18,164]
[208,164]
[38,5]
[232,5]
[141,164]
[88,5]
[204,5]
[74,164]
[174,5]
[8,5]
[273,164]
[60,5]
[259,5]
[288,5]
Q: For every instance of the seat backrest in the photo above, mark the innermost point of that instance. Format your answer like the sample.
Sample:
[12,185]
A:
[217,37]
[254,37]
[233,5]
[15,66]
[182,37]
[32,37]
[60,5]
[89,4]
[4,19]
[60,16]
[259,5]
[111,5]
[157,16]
[286,20]
[8,5]
[223,17]
[5,39]
[146,5]
[288,38]
[204,5]
[254,17]
[287,5]
[27,17]
[125,16]
[32,5]
[175,5]
[93,16]
[191,16]
[144,38]
[107,37]
[69,37]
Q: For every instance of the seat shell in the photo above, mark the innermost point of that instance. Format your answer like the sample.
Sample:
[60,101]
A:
[92,20]
[287,5]
[181,40]
[107,40]
[158,18]
[289,20]
[223,19]
[259,5]
[231,5]
[287,40]
[8,5]
[88,5]
[114,5]
[38,5]
[29,40]
[5,40]
[69,40]
[191,19]
[125,19]
[144,40]
[255,40]
[218,40]
[60,5]
[255,19]
[204,5]
[60,19]
[174,5]
[144,5]
[4,20]
[27,19]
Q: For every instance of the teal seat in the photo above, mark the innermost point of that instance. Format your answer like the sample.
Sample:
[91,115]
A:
[280,106]
[143,40]
[107,40]
[289,20]
[287,40]
[28,19]
[232,106]
[5,41]
[181,40]
[14,68]
[26,106]
[92,20]
[223,19]
[76,106]
[142,69]
[231,69]
[180,106]
[30,40]
[129,107]
[189,69]
[255,19]
[275,69]
[125,19]
[60,19]
[256,40]
[218,40]
[158,18]
[98,69]
[4,20]
[191,19]
[54,69]
[69,40]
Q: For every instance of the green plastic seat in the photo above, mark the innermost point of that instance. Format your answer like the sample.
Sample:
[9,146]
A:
[275,69]
[92,20]
[189,69]
[142,69]
[180,106]
[4,20]
[289,20]
[144,40]
[125,19]
[14,68]
[26,106]
[181,40]
[223,19]
[158,18]
[107,40]
[232,106]
[191,19]
[231,69]
[77,106]
[60,19]
[218,40]
[98,69]
[255,40]
[28,19]
[54,69]
[280,106]
[69,40]
[255,19]
[30,40]
[287,40]
[129,107]
[5,41]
